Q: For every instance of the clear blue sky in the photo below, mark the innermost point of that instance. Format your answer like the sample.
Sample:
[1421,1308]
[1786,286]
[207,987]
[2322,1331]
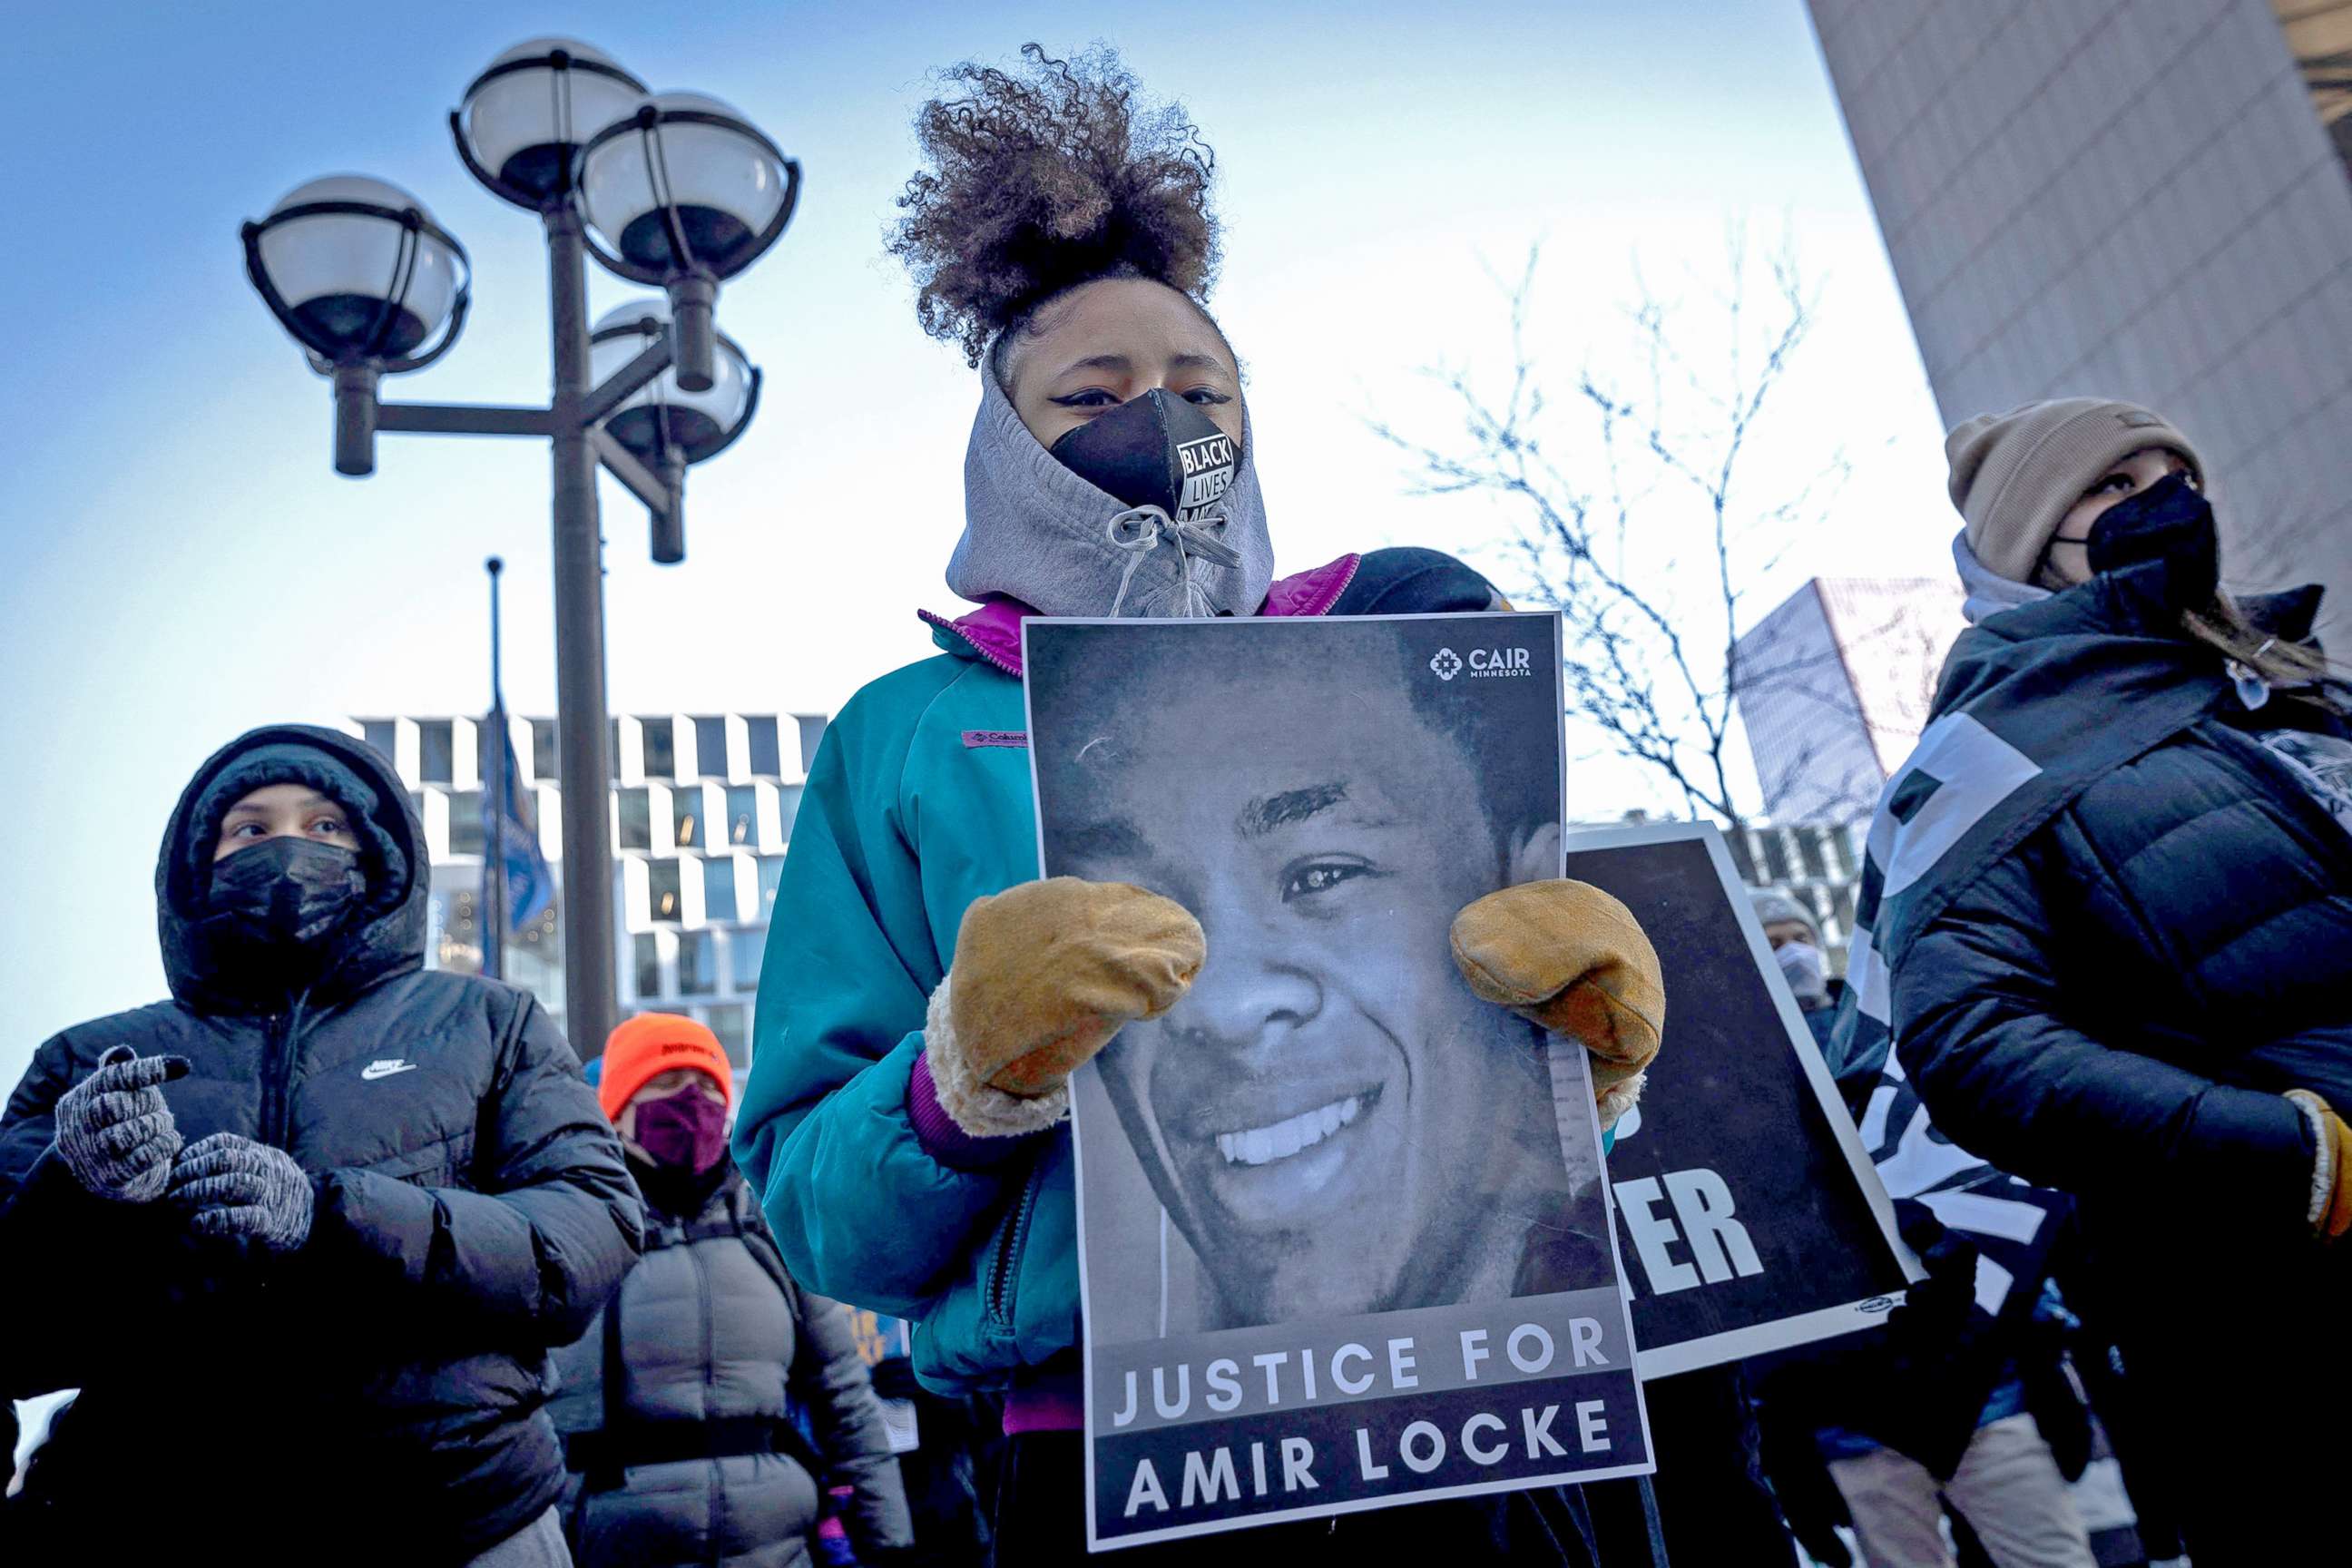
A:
[184,562]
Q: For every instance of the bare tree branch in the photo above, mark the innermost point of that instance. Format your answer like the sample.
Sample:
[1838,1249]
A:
[1658,681]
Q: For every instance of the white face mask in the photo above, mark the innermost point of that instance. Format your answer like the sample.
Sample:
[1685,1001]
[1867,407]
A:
[1807,971]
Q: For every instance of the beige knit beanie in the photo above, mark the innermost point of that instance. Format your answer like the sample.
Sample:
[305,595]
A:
[2016,475]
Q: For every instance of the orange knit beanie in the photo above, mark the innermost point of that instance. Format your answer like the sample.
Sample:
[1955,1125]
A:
[651,1043]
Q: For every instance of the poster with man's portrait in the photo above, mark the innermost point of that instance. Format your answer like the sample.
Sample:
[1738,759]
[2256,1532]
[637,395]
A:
[1342,1234]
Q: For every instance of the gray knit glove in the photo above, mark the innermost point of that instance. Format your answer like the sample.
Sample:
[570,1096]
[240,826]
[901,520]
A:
[239,1187]
[114,1131]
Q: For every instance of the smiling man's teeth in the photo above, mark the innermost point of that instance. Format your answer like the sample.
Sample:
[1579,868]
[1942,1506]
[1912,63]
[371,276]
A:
[1261,1145]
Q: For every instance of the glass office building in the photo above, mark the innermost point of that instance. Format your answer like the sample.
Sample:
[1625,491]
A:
[702,809]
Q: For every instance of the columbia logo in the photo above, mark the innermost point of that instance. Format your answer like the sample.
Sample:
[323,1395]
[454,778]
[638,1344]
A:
[1446,663]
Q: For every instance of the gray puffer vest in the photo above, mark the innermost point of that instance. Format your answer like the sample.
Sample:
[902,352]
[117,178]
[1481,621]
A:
[675,1408]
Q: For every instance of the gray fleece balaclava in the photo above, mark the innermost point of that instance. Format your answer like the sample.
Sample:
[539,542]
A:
[1036,532]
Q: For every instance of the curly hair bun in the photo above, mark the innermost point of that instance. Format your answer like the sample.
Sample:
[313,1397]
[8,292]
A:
[1043,178]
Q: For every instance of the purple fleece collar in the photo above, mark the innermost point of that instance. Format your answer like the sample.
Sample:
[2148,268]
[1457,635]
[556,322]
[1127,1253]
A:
[993,630]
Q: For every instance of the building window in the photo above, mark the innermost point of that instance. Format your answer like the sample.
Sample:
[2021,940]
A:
[771,872]
[743,814]
[787,806]
[437,752]
[648,955]
[487,761]
[382,734]
[543,766]
[686,818]
[661,889]
[711,748]
[1776,855]
[1842,843]
[661,748]
[764,759]
[719,888]
[747,947]
[636,819]
[698,964]
[1809,853]
[452,934]
[465,822]
[2319,35]
[811,732]
[1743,855]
[729,1022]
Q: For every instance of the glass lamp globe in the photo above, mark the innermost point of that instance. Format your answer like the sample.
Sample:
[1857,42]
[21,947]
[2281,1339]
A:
[359,277]
[662,415]
[692,159]
[524,120]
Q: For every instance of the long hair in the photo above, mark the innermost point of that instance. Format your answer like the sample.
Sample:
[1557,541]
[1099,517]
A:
[2296,670]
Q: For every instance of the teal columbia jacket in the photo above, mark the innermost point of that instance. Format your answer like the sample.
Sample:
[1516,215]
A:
[918,802]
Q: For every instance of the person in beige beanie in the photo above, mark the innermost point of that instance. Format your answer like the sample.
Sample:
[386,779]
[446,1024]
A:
[2020,478]
[2031,485]
[2105,928]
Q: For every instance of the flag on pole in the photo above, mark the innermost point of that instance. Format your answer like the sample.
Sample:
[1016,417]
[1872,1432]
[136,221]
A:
[530,886]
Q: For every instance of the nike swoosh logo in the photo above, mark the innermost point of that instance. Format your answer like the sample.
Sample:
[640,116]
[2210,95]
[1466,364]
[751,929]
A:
[374,1070]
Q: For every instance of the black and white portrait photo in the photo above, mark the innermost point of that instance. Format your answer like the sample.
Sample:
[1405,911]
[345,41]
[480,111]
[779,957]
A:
[1329,1125]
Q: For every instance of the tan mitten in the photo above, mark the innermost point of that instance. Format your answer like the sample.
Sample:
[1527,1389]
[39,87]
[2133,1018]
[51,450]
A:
[1044,975]
[1573,959]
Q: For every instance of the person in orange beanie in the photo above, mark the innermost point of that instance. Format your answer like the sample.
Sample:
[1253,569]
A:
[676,1066]
[679,1457]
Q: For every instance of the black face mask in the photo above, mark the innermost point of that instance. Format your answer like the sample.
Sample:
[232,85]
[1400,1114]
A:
[284,897]
[1156,450]
[2170,523]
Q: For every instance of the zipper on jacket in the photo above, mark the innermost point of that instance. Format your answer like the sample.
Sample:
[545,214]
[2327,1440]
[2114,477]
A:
[999,1299]
[277,1069]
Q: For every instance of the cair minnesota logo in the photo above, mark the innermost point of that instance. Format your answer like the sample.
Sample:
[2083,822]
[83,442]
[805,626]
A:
[1483,663]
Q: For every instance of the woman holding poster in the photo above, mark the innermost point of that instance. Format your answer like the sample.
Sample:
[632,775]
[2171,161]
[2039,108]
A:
[926,996]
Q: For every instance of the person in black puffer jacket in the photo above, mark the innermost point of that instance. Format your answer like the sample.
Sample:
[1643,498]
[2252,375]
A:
[677,1405]
[2139,988]
[303,1234]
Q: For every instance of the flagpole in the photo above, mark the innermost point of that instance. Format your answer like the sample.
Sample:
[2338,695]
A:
[494,863]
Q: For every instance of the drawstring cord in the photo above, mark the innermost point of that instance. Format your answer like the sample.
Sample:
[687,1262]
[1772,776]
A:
[2253,688]
[1148,526]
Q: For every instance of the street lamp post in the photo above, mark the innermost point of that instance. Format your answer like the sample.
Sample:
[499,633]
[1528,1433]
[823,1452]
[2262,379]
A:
[664,428]
[687,194]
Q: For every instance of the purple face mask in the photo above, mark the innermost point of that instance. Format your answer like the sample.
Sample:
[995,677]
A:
[686,1130]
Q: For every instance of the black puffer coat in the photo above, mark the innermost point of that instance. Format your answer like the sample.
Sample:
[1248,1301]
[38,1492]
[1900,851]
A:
[2116,1010]
[377,1394]
[708,1338]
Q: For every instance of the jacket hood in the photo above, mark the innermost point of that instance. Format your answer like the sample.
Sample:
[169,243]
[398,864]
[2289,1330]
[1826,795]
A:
[1988,591]
[2130,615]
[385,936]
[1035,531]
